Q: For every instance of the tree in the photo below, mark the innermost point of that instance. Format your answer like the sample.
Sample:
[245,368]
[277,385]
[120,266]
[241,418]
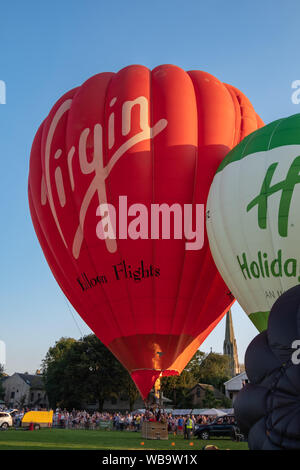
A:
[176,387]
[130,391]
[84,371]
[194,364]
[203,368]
[21,403]
[210,401]
[55,374]
[211,369]
[100,374]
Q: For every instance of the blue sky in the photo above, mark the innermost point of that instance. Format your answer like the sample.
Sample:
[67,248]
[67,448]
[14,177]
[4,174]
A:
[47,48]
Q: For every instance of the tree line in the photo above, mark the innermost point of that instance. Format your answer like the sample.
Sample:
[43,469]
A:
[85,371]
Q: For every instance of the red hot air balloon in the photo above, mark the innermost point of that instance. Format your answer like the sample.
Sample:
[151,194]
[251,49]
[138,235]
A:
[114,154]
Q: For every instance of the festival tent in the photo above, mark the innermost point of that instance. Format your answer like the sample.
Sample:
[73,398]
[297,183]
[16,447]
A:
[213,412]
[202,411]
[228,411]
[195,411]
[182,412]
[198,411]
[143,410]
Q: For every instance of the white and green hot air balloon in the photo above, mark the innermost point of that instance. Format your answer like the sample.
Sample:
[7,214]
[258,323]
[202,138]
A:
[253,217]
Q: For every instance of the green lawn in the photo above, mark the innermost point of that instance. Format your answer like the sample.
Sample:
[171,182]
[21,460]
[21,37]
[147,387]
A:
[92,440]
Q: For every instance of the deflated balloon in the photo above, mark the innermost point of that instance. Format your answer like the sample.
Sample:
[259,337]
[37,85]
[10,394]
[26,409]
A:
[253,219]
[268,408]
[108,156]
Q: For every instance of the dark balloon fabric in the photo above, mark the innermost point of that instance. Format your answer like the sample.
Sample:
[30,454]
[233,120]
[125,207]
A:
[140,137]
[268,408]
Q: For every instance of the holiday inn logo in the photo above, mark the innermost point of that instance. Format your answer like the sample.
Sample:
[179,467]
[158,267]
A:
[264,267]
[286,187]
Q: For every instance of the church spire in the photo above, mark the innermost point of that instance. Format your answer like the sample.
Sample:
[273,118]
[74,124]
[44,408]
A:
[230,347]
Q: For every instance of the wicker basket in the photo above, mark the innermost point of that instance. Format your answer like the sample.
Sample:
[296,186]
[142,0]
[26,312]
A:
[154,430]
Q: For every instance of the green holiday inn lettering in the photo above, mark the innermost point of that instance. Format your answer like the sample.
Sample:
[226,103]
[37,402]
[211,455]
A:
[264,267]
[286,187]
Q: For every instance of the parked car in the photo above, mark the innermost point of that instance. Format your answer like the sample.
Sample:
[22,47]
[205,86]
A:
[220,427]
[6,420]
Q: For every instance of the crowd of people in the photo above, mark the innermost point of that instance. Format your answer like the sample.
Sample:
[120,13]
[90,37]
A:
[128,421]
[125,421]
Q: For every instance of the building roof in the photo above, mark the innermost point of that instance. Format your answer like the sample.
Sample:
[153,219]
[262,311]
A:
[34,381]
[207,387]
[204,386]
[236,382]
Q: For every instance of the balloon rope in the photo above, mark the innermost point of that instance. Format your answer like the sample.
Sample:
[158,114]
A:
[81,334]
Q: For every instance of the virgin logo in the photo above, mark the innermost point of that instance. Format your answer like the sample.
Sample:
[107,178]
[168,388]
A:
[95,166]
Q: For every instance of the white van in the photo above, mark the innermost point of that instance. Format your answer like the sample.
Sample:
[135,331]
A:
[6,420]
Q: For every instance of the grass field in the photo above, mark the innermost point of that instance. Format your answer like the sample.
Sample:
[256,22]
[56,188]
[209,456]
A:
[68,439]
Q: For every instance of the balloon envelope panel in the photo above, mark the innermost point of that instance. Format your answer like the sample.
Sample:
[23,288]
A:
[121,139]
[254,220]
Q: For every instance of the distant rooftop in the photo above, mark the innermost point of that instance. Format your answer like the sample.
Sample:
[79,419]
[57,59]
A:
[34,381]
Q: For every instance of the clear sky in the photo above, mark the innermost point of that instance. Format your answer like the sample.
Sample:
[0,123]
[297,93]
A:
[47,48]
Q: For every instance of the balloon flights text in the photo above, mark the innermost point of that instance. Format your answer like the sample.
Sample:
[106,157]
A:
[157,221]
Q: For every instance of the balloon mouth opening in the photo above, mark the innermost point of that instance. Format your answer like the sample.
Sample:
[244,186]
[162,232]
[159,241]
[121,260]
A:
[145,379]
